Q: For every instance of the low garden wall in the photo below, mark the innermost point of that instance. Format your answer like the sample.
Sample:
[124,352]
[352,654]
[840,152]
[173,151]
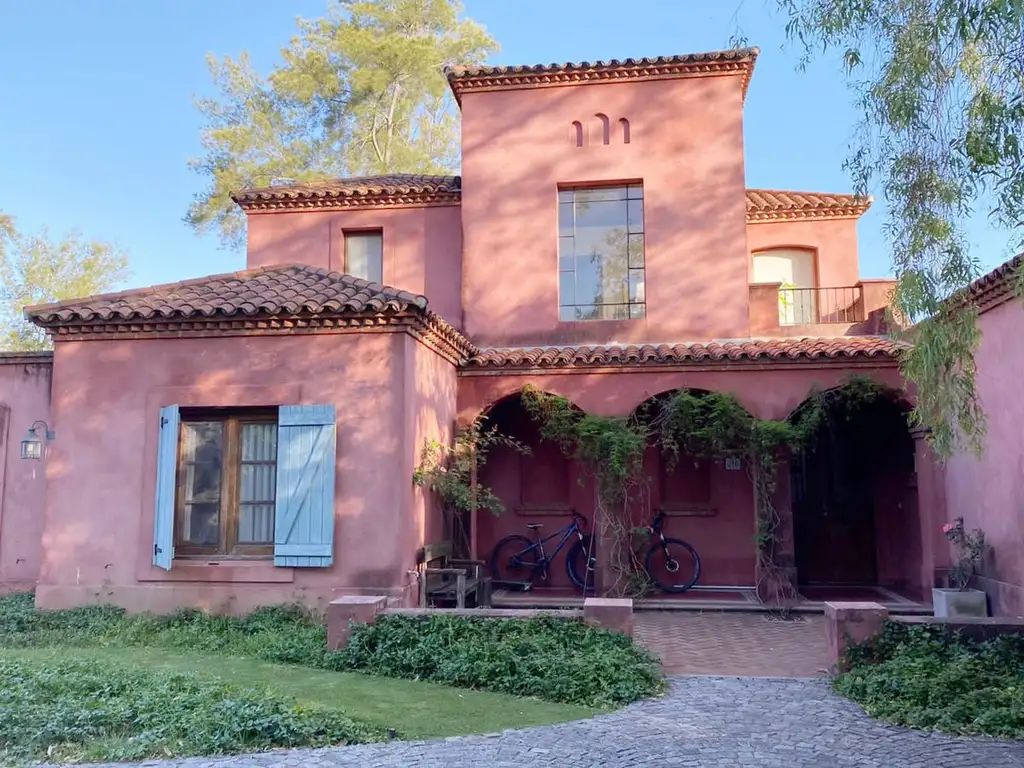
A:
[849,624]
[345,612]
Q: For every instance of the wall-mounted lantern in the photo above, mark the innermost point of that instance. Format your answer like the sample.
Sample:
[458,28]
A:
[32,443]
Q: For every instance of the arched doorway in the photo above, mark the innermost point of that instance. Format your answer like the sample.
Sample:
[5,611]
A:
[854,500]
[708,502]
[539,488]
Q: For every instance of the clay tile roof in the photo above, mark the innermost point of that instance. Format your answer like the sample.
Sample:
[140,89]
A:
[777,204]
[395,189]
[467,79]
[997,287]
[279,290]
[749,350]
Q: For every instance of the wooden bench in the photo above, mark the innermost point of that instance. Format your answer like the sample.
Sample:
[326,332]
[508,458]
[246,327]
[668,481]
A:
[446,579]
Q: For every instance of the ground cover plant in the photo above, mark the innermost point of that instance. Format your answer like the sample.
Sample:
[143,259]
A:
[403,677]
[916,676]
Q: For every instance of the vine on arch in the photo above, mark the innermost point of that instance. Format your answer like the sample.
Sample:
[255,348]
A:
[448,471]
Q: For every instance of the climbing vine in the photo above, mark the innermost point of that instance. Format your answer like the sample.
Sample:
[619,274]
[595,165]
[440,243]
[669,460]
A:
[699,425]
[448,471]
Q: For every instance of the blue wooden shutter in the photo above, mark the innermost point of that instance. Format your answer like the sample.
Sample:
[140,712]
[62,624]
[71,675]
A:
[304,518]
[166,482]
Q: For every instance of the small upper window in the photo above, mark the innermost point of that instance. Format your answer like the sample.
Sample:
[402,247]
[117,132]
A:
[601,253]
[227,480]
[364,255]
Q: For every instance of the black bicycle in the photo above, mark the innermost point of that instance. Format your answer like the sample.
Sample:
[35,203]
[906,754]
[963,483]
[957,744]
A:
[517,559]
[672,564]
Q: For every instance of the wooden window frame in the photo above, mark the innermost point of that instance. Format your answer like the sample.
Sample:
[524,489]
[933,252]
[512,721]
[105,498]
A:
[230,484]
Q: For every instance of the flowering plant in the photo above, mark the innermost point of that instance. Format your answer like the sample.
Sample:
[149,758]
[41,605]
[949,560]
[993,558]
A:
[970,548]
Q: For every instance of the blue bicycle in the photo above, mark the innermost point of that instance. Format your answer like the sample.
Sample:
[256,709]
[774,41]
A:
[518,560]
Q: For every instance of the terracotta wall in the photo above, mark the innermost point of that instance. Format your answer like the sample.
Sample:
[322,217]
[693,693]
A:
[989,491]
[422,247]
[686,146]
[24,399]
[430,415]
[101,472]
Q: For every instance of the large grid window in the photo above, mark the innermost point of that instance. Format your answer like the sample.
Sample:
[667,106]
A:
[227,477]
[601,253]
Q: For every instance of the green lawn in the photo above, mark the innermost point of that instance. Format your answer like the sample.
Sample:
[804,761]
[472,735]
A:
[415,710]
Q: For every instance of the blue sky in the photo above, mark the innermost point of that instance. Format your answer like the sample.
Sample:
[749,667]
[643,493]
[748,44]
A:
[97,118]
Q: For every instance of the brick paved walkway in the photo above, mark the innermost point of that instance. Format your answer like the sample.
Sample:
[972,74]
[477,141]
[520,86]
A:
[742,644]
[704,722]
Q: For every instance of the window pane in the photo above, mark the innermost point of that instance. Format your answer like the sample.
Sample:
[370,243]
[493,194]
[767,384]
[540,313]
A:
[615,312]
[636,250]
[565,212]
[258,483]
[566,288]
[364,255]
[636,215]
[202,456]
[565,195]
[565,251]
[635,192]
[636,285]
[256,524]
[637,311]
[601,193]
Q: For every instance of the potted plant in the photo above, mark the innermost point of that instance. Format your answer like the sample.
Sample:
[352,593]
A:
[958,599]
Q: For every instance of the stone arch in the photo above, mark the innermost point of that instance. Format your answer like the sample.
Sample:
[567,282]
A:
[708,503]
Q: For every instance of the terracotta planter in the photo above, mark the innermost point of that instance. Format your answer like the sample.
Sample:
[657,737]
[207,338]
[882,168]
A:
[954,603]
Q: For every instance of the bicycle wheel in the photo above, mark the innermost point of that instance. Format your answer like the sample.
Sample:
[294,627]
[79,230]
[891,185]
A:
[673,565]
[580,571]
[515,558]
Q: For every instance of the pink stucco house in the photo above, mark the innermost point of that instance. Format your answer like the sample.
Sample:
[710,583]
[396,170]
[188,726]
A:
[250,438]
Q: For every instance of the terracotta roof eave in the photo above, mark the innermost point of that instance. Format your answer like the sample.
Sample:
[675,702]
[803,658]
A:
[469,79]
[289,290]
[993,289]
[715,352]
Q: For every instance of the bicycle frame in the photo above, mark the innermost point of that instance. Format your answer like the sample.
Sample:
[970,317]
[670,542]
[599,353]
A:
[573,528]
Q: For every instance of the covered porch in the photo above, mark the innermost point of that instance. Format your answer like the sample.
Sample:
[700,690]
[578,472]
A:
[855,510]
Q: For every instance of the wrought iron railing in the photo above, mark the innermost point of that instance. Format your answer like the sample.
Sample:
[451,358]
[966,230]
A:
[808,306]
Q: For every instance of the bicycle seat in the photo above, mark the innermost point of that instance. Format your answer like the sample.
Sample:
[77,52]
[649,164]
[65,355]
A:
[535,526]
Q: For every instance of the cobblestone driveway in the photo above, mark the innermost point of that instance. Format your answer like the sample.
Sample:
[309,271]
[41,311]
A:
[702,722]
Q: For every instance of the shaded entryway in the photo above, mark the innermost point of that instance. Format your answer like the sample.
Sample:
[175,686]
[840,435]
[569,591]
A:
[855,507]
[542,487]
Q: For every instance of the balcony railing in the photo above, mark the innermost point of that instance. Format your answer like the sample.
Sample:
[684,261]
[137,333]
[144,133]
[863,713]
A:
[810,306]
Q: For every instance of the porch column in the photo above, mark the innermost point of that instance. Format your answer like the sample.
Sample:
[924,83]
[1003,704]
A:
[776,589]
[931,505]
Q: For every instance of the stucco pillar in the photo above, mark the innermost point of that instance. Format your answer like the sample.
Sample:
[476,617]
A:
[776,588]
[932,513]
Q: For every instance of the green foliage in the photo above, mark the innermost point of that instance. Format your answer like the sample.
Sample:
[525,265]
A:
[559,661]
[448,470]
[360,91]
[915,676]
[612,447]
[551,659]
[713,425]
[36,269]
[846,402]
[941,87]
[64,711]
